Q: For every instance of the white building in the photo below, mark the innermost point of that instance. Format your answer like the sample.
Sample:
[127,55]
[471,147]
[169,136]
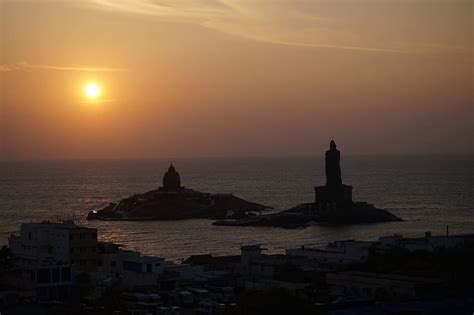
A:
[61,242]
[129,267]
[336,253]
[142,271]
[427,243]
[144,264]
[111,257]
[186,271]
[371,286]
[52,281]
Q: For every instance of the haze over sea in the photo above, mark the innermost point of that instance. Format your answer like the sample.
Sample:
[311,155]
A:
[428,192]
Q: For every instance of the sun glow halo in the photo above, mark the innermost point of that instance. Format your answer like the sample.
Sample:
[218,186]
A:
[92,90]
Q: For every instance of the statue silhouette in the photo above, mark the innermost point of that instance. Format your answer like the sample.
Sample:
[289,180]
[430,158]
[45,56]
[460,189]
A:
[333,167]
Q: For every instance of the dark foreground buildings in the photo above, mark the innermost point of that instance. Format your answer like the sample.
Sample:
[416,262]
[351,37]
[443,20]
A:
[41,274]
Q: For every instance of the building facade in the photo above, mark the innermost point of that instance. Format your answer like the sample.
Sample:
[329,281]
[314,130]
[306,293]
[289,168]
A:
[58,242]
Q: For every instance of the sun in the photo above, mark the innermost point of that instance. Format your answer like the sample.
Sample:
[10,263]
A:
[92,90]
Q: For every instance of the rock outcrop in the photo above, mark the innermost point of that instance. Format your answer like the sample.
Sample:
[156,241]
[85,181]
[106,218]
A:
[175,202]
[333,205]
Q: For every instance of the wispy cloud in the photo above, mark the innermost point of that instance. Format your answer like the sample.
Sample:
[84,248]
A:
[352,25]
[188,9]
[274,23]
[28,67]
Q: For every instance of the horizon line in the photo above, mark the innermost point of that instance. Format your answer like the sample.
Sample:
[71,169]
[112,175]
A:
[236,157]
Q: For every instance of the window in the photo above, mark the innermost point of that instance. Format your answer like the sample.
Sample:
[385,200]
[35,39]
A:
[148,268]
[55,275]
[43,275]
[29,236]
[367,292]
[132,266]
[66,274]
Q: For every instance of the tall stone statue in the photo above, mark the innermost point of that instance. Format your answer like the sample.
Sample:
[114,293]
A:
[333,166]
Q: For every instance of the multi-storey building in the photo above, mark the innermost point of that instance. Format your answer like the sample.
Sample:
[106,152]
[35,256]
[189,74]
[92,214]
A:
[58,242]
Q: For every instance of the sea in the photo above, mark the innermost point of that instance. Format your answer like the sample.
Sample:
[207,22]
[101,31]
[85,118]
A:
[430,193]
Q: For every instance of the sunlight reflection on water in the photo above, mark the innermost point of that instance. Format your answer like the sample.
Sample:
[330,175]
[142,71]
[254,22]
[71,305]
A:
[428,192]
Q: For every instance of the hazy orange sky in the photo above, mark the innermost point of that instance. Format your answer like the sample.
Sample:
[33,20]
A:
[186,78]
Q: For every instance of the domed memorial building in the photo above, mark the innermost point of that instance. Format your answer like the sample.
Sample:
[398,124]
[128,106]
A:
[171,180]
[174,202]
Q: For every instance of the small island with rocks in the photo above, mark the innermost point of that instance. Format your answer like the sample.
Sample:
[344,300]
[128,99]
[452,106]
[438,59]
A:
[333,205]
[175,202]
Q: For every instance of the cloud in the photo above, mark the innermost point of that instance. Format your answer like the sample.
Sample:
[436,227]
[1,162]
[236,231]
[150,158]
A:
[192,9]
[353,25]
[275,23]
[27,67]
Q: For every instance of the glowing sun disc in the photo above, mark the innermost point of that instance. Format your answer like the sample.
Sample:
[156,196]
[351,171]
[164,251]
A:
[92,90]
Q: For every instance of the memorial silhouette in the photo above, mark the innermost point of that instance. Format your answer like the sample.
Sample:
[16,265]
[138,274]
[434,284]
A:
[171,180]
[334,193]
[333,201]
[333,166]
[332,205]
[173,201]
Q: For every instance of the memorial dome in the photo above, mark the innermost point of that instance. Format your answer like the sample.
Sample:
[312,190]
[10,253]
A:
[171,179]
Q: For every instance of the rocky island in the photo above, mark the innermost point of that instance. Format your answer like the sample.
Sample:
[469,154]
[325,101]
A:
[175,202]
[333,205]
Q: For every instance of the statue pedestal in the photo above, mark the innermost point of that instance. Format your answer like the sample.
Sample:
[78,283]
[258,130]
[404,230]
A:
[339,195]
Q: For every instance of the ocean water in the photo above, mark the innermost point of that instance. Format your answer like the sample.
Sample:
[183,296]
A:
[428,192]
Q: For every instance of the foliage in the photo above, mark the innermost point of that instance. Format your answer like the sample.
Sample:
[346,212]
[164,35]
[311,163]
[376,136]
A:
[290,273]
[273,301]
